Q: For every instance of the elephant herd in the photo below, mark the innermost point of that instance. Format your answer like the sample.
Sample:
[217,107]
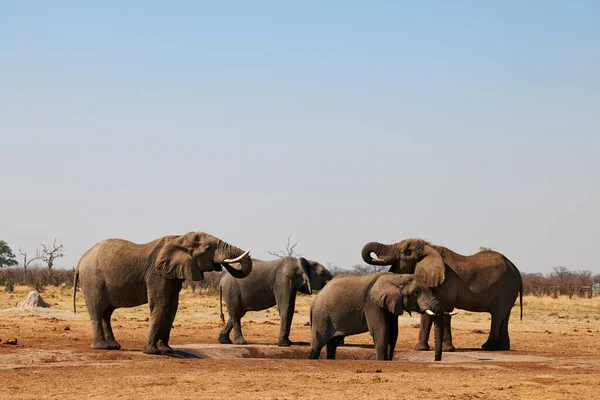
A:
[424,278]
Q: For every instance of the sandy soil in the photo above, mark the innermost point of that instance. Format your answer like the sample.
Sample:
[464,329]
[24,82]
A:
[554,355]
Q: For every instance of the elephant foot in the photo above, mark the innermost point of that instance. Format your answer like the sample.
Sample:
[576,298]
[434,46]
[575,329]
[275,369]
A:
[151,349]
[113,345]
[224,339]
[448,348]
[103,345]
[494,345]
[164,347]
[421,347]
[284,342]
[239,340]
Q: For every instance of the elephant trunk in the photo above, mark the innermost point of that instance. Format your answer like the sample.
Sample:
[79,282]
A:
[385,254]
[227,253]
[438,336]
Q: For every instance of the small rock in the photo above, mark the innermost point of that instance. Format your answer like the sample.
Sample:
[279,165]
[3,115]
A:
[146,319]
[11,341]
[67,328]
[478,331]
[547,331]
[378,371]
[306,323]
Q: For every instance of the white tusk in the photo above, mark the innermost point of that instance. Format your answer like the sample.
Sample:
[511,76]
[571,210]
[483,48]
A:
[451,313]
[238,259]
[429,312]
[377,259]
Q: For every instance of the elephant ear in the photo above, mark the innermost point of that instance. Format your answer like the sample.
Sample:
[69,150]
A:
[306,272]
[175,260]
[386,294]
[430,267]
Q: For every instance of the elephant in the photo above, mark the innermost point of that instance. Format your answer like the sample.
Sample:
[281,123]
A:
[483,282]
[117,273]
[270,283]
[351,304]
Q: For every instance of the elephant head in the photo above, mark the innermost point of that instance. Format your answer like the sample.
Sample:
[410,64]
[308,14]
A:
[404,292]
[190,255]
[317,274]
[410,256]
[408,292]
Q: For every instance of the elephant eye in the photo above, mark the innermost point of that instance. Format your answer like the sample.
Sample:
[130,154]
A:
[417,291]
[407,252]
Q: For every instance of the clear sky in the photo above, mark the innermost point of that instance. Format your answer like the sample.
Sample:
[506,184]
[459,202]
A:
[466,123]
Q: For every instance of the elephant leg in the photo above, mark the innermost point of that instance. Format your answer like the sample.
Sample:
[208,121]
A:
[165,332]
[107,328]
[286,313]
[424,330]
[224,334]
[447,341]
[238,338]
[392,330]
[381,345]
[504,340]
[494,338]
[315,351]
[332,347]
[97,303]
[98,340]
[159,299]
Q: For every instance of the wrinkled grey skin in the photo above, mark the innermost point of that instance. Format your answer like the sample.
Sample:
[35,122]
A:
[116,273]
[350,305]
[483,282]
[270,283]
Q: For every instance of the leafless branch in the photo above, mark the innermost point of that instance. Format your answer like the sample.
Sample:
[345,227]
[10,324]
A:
[288,251]
[49,254]
[27,262]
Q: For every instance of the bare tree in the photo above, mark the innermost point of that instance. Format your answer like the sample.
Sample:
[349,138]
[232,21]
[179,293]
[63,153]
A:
[289,250]
[49,254]
[26,262]
[484,248]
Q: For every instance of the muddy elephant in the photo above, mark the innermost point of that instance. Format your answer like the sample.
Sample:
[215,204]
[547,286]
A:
[483,282]
[116,273]
[270,283]
[350,305]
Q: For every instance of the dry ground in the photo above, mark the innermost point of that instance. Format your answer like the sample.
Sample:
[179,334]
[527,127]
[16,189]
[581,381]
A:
[554,355]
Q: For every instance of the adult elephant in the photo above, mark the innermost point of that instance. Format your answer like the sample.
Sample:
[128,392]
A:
[483,282]
[270,283]
[116,273]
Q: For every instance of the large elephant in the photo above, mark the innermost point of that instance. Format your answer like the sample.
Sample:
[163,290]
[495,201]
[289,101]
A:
[350,305]
[116,273]
[483,282]
[270,283]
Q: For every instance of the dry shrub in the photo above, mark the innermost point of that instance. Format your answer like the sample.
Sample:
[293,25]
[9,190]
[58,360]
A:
[36,277]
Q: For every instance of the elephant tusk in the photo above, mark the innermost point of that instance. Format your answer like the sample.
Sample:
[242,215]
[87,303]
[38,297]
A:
[238,259]
[376,259]
[450,313]
[429,312]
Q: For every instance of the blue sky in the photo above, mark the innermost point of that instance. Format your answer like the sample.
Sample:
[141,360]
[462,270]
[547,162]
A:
[467,124]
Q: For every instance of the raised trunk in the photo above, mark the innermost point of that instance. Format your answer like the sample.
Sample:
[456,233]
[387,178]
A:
[226,251]
[439,336]
[386,254]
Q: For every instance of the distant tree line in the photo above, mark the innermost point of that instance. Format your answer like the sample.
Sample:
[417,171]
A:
[560,282]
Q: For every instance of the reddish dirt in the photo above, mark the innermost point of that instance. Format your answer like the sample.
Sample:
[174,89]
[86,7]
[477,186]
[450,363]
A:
[554,355]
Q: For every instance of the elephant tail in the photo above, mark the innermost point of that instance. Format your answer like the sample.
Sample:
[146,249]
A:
[221,304]
[75,280]
[521,300]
